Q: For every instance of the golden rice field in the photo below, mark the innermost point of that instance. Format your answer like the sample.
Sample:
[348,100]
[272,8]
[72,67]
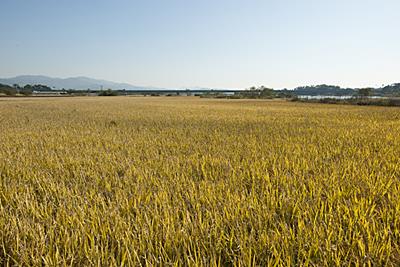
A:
[164,181]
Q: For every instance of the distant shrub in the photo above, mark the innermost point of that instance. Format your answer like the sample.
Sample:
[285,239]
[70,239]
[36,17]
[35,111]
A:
[25,91]
[108,92]
[7,90]
[394,102]
[10,92]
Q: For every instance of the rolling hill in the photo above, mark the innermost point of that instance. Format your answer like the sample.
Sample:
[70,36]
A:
[77,83]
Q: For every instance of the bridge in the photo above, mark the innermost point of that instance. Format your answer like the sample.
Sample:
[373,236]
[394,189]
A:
[172,91]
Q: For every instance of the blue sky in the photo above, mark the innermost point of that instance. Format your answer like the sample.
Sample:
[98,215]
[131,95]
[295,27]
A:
[210,43]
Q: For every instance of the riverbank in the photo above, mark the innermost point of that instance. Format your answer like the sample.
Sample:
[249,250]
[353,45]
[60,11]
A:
[361,101]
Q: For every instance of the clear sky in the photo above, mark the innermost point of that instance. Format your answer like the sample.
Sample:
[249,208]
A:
[210,43]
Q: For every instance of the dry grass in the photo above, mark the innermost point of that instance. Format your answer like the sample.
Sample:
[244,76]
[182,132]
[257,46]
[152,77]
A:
[186,181]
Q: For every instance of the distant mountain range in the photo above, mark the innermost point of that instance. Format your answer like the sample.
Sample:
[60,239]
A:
[77,83]
[81,83]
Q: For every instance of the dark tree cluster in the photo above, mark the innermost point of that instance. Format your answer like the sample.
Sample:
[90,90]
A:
[108,92]
[389,90]
[323,89]
[7,90]
[258,92]
[22,90]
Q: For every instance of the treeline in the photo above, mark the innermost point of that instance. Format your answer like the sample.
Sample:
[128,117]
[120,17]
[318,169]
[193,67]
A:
[324,89]
[30,89]
[265,92]
[331,90]
[389,90]
[385,96]
[318,90]
[261,92]
[22,90]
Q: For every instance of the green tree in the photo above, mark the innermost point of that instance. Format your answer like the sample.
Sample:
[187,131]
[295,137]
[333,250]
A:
[108,92]
[365,92]
[266,92]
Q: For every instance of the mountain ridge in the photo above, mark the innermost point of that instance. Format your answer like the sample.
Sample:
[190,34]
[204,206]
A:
[77,83]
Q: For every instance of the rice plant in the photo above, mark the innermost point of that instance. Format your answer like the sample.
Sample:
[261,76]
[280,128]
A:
[139,181]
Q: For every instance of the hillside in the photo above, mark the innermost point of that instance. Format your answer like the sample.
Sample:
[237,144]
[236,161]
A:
[81,83]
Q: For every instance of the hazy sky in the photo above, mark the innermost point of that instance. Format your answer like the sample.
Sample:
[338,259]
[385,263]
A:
[224,44]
